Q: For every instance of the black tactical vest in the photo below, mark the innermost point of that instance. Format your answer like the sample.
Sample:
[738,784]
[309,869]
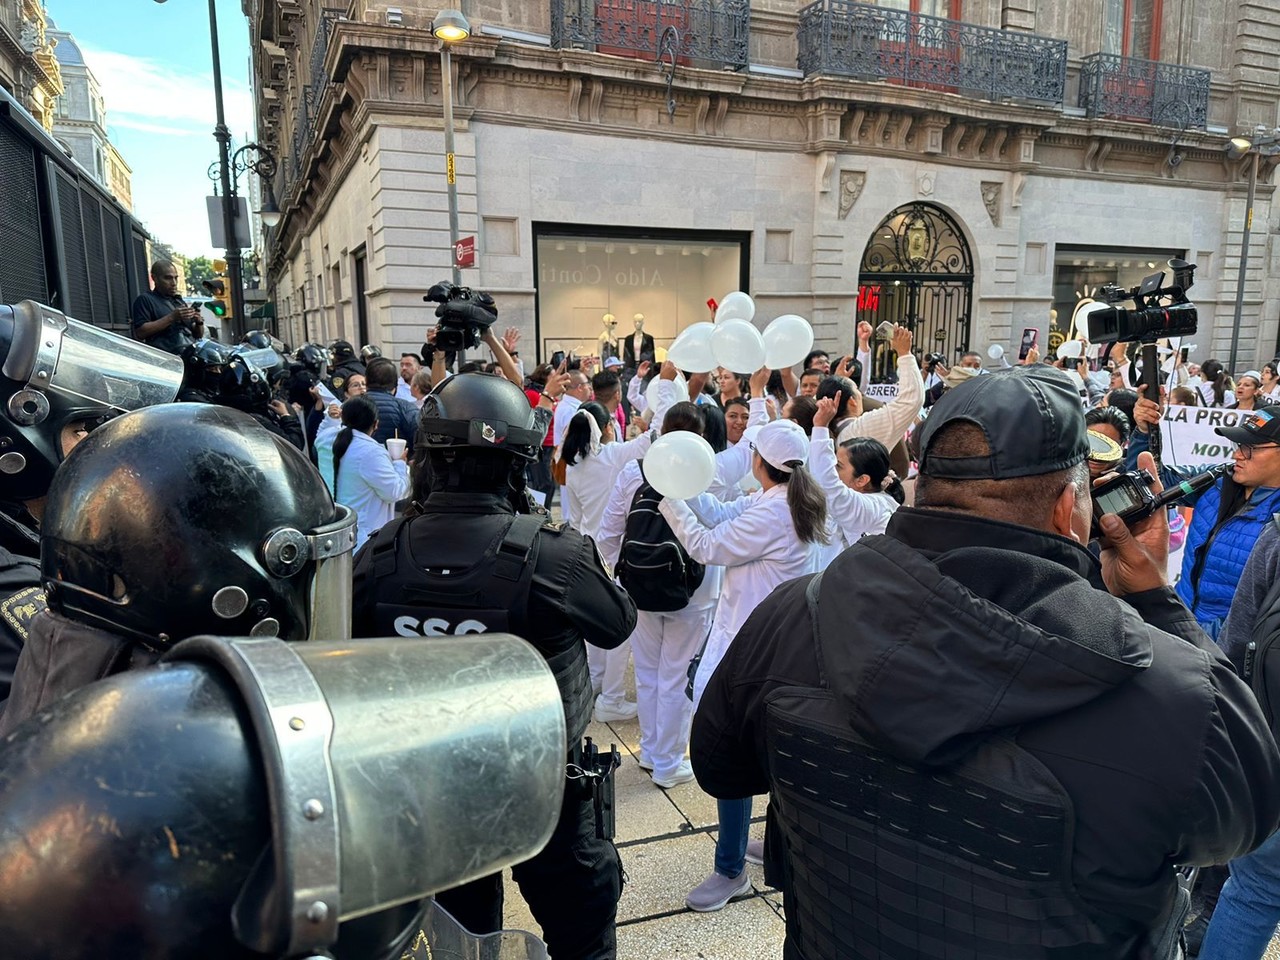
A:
[476,576]
[887,860]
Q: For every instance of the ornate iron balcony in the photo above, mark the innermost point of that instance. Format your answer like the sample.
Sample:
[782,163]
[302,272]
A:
[320,50]
[1146,91]
[712,33]
[867,42]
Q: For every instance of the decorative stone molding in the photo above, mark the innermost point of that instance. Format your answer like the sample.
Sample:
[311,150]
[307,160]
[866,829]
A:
[925,180]
[851,184]
[991,195]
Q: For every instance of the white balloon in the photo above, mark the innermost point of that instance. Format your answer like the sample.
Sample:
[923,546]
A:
[739,347]
[692,348]
[680,465]
[787,340]
[1070,349]
[736,306]
[651,391]
[995,352]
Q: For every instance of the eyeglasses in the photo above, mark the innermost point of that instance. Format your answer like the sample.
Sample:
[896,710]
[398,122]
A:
[1246,450]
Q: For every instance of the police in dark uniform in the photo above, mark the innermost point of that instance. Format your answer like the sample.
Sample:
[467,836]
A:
[60,379]
[345,364]
[472,561]
[220,527]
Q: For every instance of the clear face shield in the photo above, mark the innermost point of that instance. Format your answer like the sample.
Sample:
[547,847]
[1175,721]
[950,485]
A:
[69,364]
[287,552]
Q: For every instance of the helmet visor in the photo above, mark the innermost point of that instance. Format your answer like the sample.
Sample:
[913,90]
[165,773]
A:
[330,613]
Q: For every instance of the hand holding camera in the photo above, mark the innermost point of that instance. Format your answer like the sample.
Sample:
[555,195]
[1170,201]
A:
[1135,557]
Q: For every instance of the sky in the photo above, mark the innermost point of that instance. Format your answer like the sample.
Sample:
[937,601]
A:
[154,65]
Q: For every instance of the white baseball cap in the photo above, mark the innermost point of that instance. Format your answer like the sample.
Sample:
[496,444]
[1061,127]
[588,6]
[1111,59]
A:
[612,362]
[782,443]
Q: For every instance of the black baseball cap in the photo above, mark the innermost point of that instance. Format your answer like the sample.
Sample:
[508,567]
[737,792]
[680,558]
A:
[1032,419]
[1253,428]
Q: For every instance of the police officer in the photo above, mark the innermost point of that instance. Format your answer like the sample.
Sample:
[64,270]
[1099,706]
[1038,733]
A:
[472,560]
[245,387]
[204,363]
[345,363]
[170,522]
[60,379]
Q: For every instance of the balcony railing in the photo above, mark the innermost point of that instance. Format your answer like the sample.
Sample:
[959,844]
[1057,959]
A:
[712,33]
[319,50]
[1146,91]
[867,42]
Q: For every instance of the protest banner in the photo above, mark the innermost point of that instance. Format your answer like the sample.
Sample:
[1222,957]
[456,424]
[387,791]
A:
[881,391]
[1189,438]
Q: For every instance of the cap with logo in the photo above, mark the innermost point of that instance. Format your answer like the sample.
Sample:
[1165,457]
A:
[1253,428]
[1030,415]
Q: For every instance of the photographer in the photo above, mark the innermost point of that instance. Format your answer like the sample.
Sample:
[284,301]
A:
[1022,775]
[163,319]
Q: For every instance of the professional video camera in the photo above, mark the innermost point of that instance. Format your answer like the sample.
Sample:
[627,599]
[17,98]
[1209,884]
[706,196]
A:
[1152,319]
[464,315]
[931,361]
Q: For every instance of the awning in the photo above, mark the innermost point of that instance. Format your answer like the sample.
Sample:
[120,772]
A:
[265,312]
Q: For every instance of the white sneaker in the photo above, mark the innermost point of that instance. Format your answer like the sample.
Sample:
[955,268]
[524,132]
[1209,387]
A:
[755,852]
[681,774]
[715,891]
[606,712]
[645,764]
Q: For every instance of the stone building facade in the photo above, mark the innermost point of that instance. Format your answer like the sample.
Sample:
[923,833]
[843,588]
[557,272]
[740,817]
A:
[80,120]
[28,68]
[971,165]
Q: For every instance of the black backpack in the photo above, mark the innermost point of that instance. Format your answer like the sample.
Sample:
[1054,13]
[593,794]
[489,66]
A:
[1262,653]
[653,566]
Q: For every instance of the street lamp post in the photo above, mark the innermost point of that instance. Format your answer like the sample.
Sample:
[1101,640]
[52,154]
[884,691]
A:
[450,27]
[1254,148]
[255,158]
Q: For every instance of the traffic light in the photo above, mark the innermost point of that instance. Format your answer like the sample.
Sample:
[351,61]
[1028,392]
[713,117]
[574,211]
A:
[221,304]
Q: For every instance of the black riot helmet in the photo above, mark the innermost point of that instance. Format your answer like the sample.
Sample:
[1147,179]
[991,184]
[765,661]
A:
[257,339]
[57,374]
[191,518]
[314,358]
[244,385]
[204,362]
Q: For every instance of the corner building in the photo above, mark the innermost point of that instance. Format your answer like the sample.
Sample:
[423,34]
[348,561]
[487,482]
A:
[972,164]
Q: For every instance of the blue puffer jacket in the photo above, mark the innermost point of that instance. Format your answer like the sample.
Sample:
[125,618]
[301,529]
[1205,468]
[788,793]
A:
[1210,598]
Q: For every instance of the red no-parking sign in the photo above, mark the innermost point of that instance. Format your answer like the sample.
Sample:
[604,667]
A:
[464,252]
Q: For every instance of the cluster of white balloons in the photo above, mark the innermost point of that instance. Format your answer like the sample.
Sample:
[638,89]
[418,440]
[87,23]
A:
[733,342]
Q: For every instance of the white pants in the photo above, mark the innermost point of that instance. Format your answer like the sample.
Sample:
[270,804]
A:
[662,645]
[609,673]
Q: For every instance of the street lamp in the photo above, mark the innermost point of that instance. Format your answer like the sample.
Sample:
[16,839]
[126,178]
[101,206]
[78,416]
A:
[223,136]
[450,27]
[1261,143]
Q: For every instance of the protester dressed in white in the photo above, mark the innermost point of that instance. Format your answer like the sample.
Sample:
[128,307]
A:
[762,541]
[890,423]
[593,460]
[579,392]
[366,477]
[857,481]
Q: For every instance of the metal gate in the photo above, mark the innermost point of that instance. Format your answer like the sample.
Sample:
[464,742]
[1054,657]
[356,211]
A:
[917,271]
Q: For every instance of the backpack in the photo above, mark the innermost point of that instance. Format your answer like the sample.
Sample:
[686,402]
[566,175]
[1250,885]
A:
[653,566]
[1262,653]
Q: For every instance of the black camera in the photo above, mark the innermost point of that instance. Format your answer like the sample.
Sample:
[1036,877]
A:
[464,315]
[931,360]
[1129,494]
[1160,311]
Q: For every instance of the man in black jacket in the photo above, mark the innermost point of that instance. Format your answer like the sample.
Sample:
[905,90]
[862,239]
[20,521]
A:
[980,741]
[396,417]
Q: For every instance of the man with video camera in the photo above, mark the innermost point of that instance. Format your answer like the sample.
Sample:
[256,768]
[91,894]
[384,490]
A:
[1015,742]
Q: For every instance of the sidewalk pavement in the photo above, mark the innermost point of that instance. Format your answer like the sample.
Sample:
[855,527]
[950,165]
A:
[667,841]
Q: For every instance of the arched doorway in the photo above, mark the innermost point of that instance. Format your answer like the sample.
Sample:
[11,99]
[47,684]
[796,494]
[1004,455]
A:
[917,270]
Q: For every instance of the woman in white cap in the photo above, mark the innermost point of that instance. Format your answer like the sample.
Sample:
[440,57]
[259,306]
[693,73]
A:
[1249,392]
[761,540]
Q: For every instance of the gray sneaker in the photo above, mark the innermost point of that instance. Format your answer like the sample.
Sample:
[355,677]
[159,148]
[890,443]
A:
[717,890]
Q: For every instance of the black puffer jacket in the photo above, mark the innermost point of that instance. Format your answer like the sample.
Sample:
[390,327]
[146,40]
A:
[949,630]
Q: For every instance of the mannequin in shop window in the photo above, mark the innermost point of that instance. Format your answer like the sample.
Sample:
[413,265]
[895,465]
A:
[608,338]
[639,346]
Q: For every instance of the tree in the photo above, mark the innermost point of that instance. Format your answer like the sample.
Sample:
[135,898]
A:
[198,269]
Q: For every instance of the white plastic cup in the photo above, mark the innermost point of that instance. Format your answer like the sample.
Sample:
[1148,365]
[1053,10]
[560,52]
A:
[396,447]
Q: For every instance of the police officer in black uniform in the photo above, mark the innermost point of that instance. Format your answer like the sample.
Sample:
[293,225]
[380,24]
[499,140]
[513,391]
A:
[345,363]
[473,560]
[220,528]
[60,379]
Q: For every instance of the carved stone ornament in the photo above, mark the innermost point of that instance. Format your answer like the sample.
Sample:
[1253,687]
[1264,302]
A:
[924,183]
[851,184]
[991,194]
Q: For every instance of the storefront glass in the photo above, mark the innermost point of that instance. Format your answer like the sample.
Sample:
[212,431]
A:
[666,282]
[1081,272]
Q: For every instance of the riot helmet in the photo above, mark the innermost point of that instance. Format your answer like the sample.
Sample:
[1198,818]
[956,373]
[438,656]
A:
[257,339]
[190,518]
[204,362]
[244,385]
[314,358]
[58,374]
[369,352]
